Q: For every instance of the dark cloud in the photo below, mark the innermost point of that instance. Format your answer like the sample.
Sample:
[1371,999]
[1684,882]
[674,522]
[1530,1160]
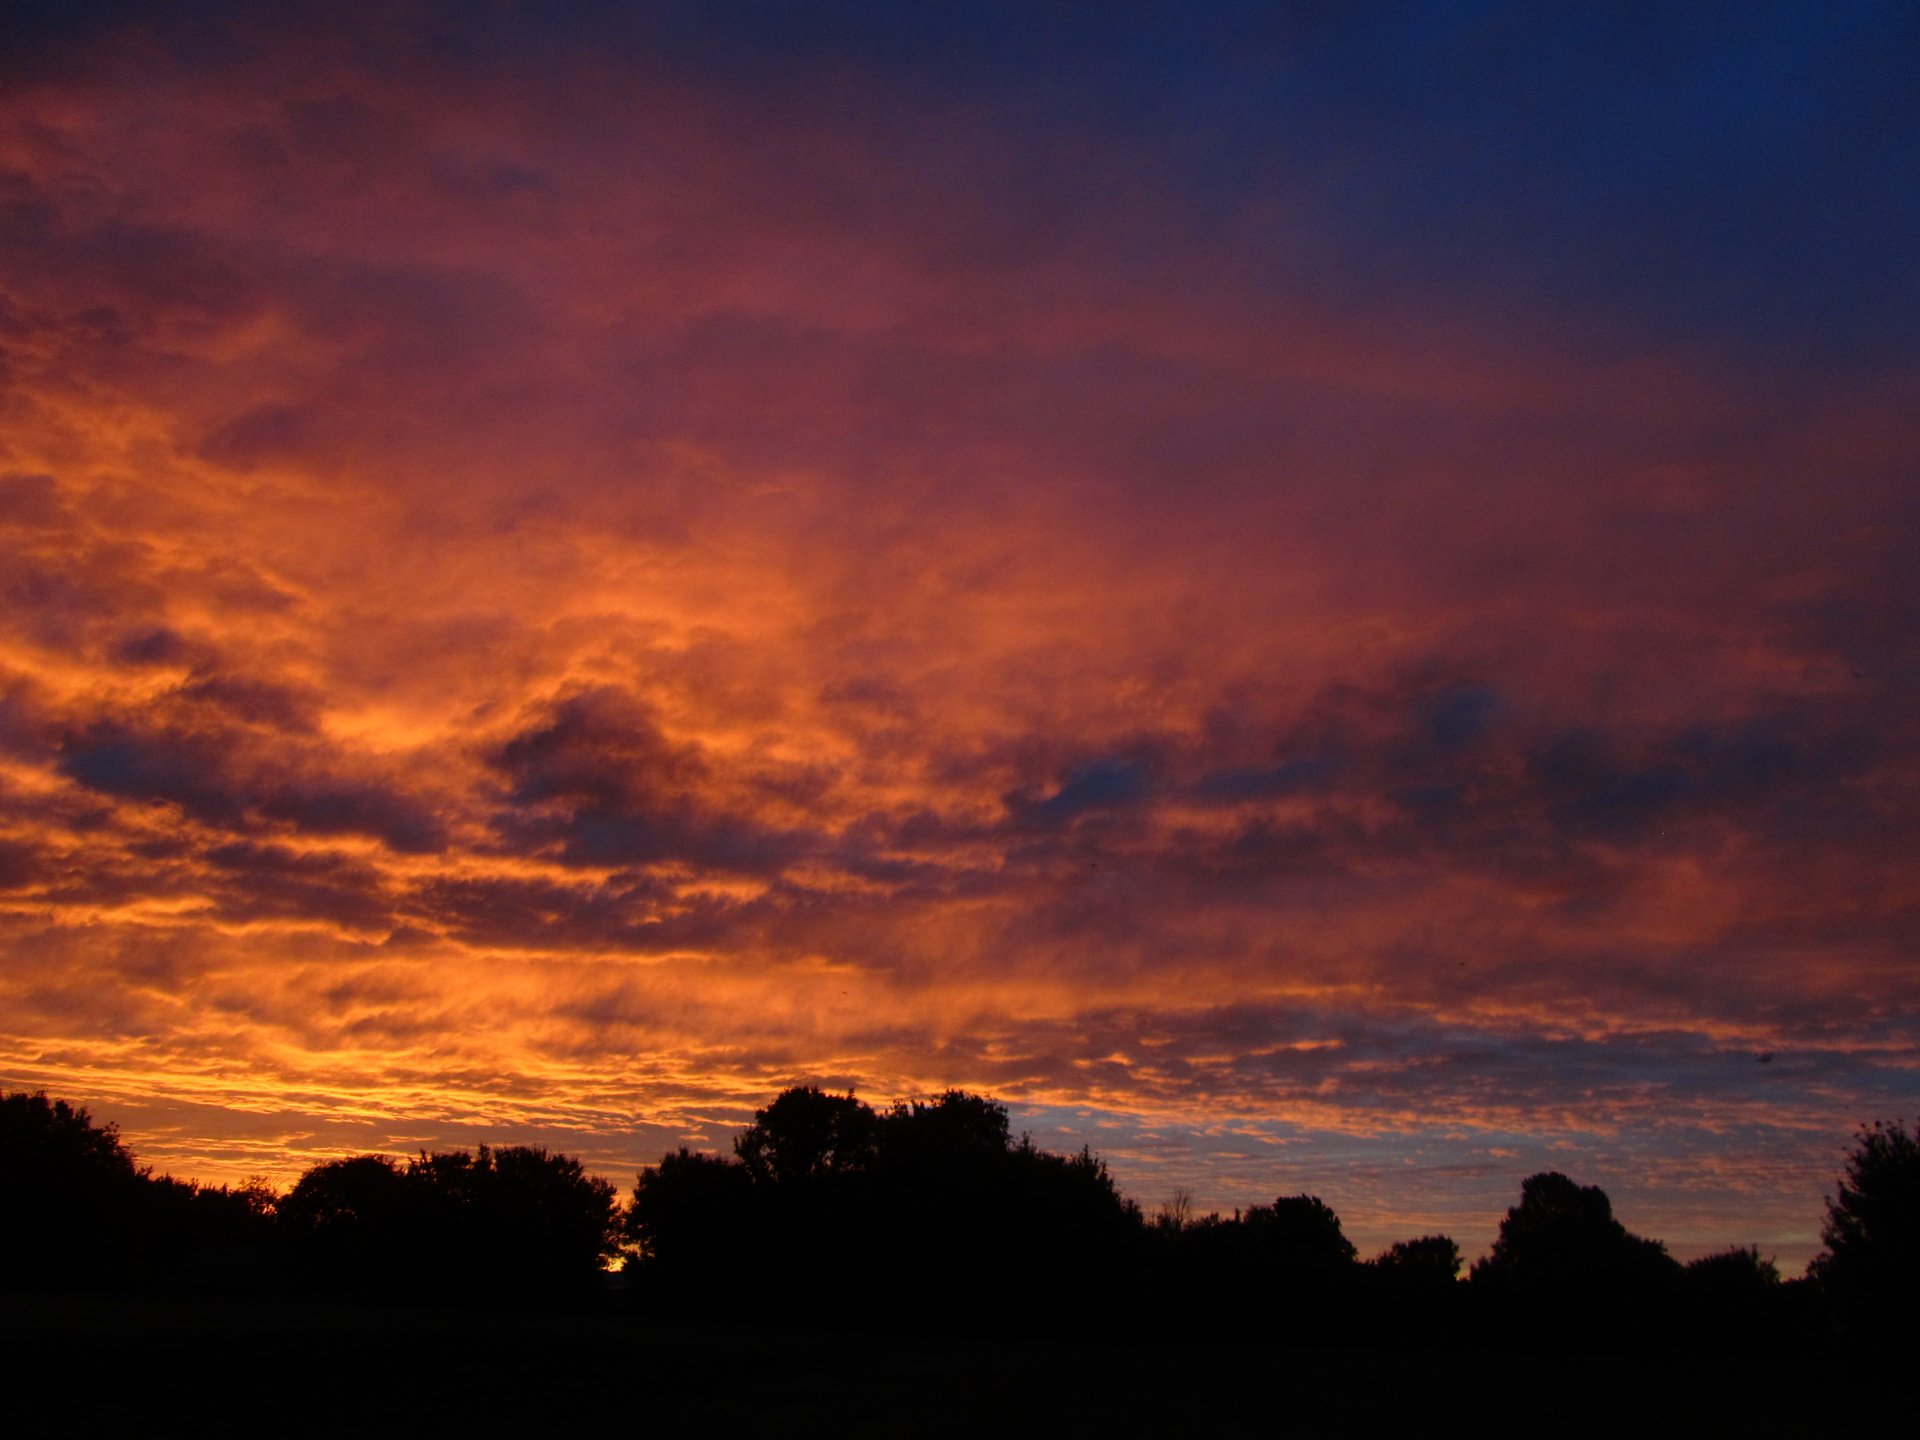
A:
[261,435]
[188,771]
[1102,785]
[323,805]
[600,750]
[601,780]
[156,646]
[214,782]
[261,881]
[520,912]
[1290,777]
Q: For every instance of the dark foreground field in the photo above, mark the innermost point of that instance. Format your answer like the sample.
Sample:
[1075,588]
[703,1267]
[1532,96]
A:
[267,1369]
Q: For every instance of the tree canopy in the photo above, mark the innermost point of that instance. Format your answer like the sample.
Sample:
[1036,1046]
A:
[927,1213]
[829,1203]
[500,1222]
[1301,1233]
[1564,1235]
[1871,1266]
[806,1134]
[70,1192]
[76,1211]
[1430,1257]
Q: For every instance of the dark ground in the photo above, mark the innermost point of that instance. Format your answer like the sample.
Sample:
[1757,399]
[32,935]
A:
[263,1369]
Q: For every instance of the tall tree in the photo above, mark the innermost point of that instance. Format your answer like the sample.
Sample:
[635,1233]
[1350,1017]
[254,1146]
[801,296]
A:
[1871,1267]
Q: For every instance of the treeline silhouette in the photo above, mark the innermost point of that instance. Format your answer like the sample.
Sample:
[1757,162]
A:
[929,1216]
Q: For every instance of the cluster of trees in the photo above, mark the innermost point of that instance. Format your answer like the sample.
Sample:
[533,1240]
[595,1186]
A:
[516,1222]
[830,1209]
[78,1213]
[929,1214]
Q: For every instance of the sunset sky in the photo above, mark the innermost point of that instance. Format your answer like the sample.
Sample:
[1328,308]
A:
[1317,597]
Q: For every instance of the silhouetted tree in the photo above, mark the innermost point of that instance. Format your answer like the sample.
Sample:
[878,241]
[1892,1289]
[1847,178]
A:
[259,1196]
[1062,1236]
[1562,1233]
[189,1236]
[76,1211]
[1738,1272]
[690,1210]
[60,1144]
[68,1193]
[1175,1213]
[937,1233]
[1870,1270]
[340,1196]
[553,1216]
[1301,1268]
[1563,1269]
[806,1134]
[1070,1200]
[355,1225]
[926,1214]
[1431,1259]
[956,1132]
[501,1224]
[1301,1234]
[517,1221]
[1736,1301]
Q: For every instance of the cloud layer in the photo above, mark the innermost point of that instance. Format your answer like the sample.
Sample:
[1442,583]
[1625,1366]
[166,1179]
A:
[1313,605]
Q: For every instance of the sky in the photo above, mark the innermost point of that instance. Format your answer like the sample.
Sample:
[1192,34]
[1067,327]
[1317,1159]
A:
[1316,597]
